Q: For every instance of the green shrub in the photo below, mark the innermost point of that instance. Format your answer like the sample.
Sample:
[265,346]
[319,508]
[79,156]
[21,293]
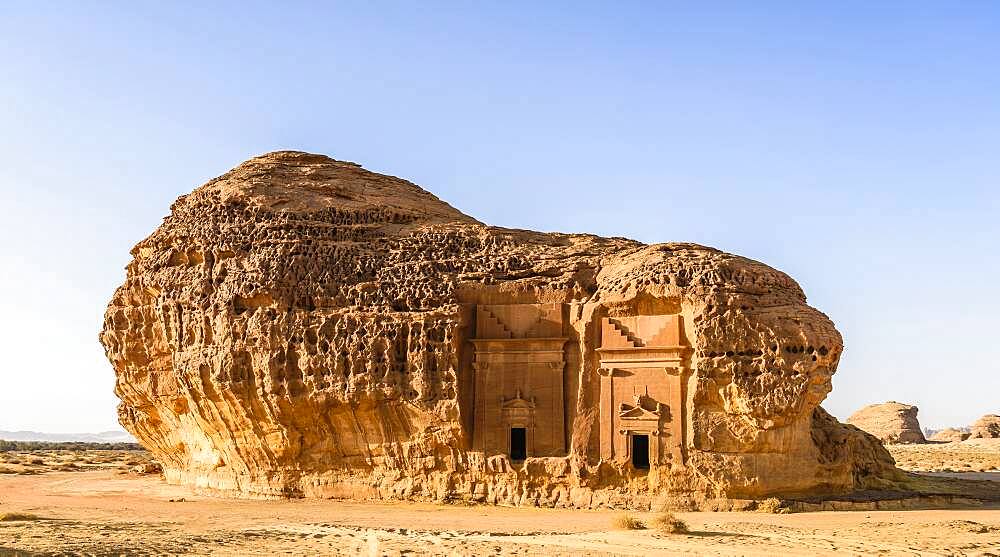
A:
[6,446]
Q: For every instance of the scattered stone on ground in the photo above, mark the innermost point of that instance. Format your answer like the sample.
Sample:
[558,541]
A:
[28,462]
[971,455]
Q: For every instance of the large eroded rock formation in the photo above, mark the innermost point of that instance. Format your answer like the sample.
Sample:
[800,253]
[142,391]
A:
[890,422]
[302,326]
[949,435]
[987,427]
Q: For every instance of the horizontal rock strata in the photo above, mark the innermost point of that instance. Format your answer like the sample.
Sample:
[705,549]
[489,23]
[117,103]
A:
[303,327]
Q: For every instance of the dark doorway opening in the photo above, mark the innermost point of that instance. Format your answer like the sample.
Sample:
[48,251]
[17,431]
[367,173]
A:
[518,443]
[640,452]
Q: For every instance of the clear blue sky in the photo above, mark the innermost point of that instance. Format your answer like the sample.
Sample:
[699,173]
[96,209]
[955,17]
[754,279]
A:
[854,145]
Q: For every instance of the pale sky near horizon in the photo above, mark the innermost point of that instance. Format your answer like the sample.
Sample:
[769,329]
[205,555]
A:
[854,145]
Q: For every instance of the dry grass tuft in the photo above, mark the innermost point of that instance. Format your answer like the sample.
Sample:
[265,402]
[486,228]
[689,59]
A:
[667,523]
[771,505]
[627,521]
[14,516]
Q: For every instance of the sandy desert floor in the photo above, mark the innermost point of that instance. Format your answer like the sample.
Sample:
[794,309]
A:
[973,455]
[45,461]
[110,512]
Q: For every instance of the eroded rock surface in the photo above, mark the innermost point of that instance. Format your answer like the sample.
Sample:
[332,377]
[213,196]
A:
[302,326]
[890,422]
[987,427]
[949,435]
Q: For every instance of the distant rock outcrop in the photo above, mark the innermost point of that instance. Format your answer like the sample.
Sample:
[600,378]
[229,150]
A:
[301,326]
[892,422]
[987,427]
[949,435]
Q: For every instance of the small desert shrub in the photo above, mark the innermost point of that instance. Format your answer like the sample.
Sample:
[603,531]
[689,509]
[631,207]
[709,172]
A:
[12,517]
[627,521]
[37,461]
[771,505]
[4,470]
[47,446]
[669,524]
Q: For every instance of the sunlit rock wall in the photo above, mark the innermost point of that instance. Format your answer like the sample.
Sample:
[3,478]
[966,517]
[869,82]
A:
[303,327]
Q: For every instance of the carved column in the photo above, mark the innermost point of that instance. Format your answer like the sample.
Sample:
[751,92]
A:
[606,417]
[677,413]
[559,419]
[480,431]
[654,446]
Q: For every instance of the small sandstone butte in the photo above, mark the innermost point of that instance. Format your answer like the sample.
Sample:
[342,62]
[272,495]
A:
[987,427]
[890,422]
[949,435]
[301,326]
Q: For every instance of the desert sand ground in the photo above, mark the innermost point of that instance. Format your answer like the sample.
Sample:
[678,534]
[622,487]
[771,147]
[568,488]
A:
[108,511]
[45,461]
[973,455]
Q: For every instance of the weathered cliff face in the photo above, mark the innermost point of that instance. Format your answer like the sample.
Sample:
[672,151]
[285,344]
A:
[890,422]
[987,427]
[301,326]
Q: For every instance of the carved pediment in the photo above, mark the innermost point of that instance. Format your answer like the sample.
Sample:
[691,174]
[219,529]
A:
[643,408]
[518,403]
[637,413]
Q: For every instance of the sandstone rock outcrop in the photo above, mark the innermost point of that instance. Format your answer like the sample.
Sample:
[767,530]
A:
[987,427]
[301,326]
[890,422]
[949,435]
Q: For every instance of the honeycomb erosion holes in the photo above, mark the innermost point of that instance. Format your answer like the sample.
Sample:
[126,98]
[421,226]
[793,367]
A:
[300,326]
